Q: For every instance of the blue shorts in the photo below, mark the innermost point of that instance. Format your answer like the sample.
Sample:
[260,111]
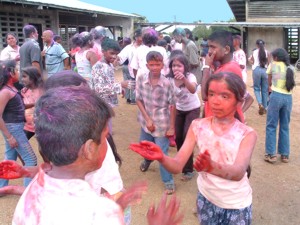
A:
[210,214]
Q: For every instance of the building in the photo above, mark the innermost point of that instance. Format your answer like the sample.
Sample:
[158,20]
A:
[63,17]
[277,22]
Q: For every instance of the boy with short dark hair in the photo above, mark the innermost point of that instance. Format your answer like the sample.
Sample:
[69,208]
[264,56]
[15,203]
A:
[154,96]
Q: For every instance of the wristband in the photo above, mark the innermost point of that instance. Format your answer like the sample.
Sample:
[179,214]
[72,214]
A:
[205,67]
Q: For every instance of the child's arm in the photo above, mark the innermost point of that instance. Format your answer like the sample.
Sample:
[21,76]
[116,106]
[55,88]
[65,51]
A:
[237,170]
[171,130]
[149,122]
[209,59]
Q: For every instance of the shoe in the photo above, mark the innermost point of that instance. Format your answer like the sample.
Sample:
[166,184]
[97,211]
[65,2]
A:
[132,102]
[261,109]
[187,176]
[145,166]
[284,159]
[270,158]
[128,101]
[169,188]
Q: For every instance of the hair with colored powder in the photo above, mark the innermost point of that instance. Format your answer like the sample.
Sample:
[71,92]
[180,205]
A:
[28,30]
[56,38]
[154,56]
[6,68]
[281,55]
[179,32]
[65,118]
[149,36]
[82,39]
[34,75]
[182,59]
[98,32]
[110,44]
[262,56]
[223,37]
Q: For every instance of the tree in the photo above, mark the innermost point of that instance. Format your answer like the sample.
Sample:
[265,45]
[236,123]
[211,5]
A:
[201,31]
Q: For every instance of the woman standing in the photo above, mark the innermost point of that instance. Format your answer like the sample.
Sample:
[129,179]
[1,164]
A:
[281,81]
[259,60]
[12,119]
[11,51]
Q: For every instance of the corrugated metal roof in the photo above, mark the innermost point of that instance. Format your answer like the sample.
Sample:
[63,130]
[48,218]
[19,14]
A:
[74,5]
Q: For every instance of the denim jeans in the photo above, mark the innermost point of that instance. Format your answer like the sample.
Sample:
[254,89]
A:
[163,143]
[24,149]
[260,85]
[182,123]
[279,110]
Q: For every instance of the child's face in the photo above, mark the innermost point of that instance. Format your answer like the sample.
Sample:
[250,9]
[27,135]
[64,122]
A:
[110,55]
[155,67]
[177,67]
[218,49]
[26,80]
[221,100]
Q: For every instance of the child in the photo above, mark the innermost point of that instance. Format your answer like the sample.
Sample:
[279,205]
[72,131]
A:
[281,81]
[225,148]
[187,104]
[12,119]
[33,82]
[103,79]
[155,95]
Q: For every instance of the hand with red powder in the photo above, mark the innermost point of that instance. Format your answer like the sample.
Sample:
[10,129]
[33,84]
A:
[11,170]
[147,149]
[203,162]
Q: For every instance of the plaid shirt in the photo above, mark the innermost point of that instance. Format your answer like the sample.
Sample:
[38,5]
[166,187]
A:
[157,100]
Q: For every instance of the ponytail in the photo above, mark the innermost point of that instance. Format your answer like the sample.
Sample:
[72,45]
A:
[262,56]
[290,80]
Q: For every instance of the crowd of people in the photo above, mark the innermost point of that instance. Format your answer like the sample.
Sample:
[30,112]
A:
[165,77]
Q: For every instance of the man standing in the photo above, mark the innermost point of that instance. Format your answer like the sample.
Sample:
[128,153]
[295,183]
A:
[30,52]
[56,58]
[190,50]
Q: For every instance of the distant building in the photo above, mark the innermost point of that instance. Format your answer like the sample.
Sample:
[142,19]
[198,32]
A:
[277,22]
[64,17]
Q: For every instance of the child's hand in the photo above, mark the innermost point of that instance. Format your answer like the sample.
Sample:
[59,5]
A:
[203,162]
[170,132]
[165,214]
[209,59]
[178,75]
[133,195]
[150,126]
[147,149]
[11,170]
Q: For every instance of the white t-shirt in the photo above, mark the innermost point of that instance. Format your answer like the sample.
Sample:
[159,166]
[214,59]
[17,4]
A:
[139,59]
[107,177]
[50,201]
[185,100]
[256,59]
[128,53]
[224,148]
[239,56]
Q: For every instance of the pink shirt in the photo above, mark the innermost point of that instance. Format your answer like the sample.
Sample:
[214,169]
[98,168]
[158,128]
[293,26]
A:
[224,149]
[64,201]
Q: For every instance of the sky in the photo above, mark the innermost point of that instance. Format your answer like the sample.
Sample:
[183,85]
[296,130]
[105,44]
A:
[156,11]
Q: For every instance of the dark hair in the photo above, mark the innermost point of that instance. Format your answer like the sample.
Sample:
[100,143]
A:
[82,39]
[162,43]
[262,56]
[223,37]
[56,37]
[65,118]
[34,75]
[282,56]
[149,36]
[71,78]
[110,44]
[234,83]
[28,30]
[179,32]
[6,68]
[182,59]
[12,34]
[154,56]
[189,33]
[137,33]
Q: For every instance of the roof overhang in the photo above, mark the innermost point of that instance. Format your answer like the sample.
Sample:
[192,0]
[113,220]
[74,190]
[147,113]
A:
[238,8]
[72,5]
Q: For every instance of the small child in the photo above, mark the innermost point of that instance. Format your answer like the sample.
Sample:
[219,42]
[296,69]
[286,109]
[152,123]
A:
[187,104]
[103,79]
[282,82]
[33,82]
[225,148]
[154,96]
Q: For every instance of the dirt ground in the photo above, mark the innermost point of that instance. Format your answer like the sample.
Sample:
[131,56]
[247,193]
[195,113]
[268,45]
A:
[276,188]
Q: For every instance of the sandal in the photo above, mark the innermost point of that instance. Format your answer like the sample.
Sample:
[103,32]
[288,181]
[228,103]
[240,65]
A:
[187,176]
[284,159]
[169,188]
[145,165]
[270,158]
